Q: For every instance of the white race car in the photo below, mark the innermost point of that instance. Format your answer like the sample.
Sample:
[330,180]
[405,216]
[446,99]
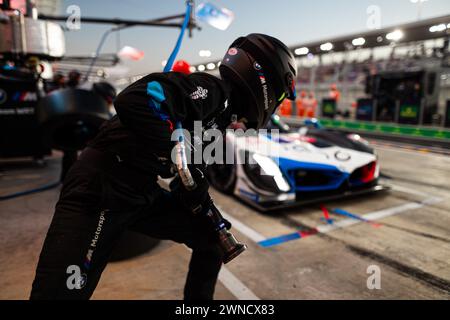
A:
[296,167]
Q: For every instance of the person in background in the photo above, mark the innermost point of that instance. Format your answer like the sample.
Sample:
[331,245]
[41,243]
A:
[73,79]
[58,82]
[285,109]
[334,93]
[300,104]
[106,91]
[310,105]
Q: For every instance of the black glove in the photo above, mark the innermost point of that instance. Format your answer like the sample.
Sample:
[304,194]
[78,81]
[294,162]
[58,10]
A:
[197,200]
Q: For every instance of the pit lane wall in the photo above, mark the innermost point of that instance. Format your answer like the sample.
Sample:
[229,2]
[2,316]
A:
[427,136]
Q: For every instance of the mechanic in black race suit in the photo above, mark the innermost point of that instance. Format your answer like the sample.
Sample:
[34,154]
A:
[113,186]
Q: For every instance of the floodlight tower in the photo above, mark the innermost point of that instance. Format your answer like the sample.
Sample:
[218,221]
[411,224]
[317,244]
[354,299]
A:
[419,7]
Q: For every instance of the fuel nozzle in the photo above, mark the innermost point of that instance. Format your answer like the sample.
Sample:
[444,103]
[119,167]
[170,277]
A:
[230,246]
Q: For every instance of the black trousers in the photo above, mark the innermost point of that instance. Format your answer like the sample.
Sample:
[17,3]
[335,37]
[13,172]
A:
[69,158]
[100,199]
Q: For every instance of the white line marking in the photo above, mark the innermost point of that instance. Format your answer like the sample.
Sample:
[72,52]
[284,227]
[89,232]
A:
[242,228]
[377,215]
[392,211]
[408,190]
[235,286]
[416,152]
[432,200]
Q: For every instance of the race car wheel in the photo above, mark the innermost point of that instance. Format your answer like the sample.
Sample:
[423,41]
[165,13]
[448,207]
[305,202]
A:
[222,177]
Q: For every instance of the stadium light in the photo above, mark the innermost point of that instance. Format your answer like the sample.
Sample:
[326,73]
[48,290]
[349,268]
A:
[201,68]
[438,28]
[395,35]
[211,66]
[358,42]
[163,63]
[301,51]
[204,53]
[326,46]
[192,69]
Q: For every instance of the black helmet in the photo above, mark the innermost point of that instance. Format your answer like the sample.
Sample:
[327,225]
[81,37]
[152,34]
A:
[263,70]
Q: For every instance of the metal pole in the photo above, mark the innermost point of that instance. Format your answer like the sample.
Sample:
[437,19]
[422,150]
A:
[119,22]
[421,111]
[374,109]
[419,10]
[97,53]
[397,111]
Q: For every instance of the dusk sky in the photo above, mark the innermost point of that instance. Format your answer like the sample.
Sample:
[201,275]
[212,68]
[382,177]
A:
[293,21]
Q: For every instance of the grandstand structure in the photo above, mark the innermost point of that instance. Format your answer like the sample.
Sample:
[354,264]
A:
[348,61]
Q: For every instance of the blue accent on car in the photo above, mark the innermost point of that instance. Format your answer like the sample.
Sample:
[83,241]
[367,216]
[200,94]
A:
[249,195]
[282,140]
[354,183]
[335,177]
[313,123]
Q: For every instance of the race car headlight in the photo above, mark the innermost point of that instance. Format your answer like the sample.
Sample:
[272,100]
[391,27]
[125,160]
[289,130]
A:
[270,168]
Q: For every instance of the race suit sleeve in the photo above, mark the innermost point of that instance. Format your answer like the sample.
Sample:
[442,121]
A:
[151,106]
[139,108]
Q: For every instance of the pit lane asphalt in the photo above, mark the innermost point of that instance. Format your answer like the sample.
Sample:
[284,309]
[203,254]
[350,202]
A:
[411,247]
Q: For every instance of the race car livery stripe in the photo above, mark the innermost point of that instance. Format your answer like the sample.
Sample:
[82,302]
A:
[289,167]
[249,195]
[289,164]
